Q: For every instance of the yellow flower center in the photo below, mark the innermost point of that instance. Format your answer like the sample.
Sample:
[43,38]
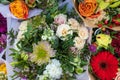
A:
[64,32]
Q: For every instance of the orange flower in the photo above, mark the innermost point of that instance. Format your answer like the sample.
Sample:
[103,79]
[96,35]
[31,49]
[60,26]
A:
[87,8]
[94,1]
[19,9]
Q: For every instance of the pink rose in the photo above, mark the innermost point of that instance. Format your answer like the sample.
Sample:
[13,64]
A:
[60,19]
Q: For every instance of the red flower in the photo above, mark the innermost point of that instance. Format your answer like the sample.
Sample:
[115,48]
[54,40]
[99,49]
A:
[116,43]
[99,25]
[104,65]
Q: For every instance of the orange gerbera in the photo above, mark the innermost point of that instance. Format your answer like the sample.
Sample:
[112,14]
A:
[19,9]
[87,8]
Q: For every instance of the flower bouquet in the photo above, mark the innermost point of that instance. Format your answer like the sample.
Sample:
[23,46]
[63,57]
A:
[99,13]
[50,48]
[3,31]
[21,8]
[105,53]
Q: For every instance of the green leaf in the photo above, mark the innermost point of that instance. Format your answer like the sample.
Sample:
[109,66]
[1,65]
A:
[4,1]
[79,70]
[111,49]
[103,5]
[13,50]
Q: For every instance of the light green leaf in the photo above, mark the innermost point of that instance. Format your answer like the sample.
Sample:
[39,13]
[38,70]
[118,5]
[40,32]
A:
[103,5]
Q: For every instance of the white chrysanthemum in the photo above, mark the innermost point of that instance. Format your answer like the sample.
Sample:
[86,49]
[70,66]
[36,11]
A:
[73,23]
[79,43]
[60,19]
[83,32]
[63,30]
[53,69]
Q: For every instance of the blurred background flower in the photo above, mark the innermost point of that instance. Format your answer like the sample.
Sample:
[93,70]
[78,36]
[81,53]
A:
[3,30]
[116,43]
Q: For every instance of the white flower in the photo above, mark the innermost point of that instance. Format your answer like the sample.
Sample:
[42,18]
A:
[23,26]
[53,69]
[79,43]
[63,30]
[60,19]
[20,35]
[47,34]
[83,32]
[22,30]
[44,37]
[73,23]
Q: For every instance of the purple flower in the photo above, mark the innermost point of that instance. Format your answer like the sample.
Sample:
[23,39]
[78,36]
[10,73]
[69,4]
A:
[23,78]
[3,24]
[92,48]
[1,49]
[3,40]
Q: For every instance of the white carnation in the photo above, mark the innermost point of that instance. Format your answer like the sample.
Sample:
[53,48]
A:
[63,30]
[53,69]
[73,23]
[79,43]
[60,19]
[83,32]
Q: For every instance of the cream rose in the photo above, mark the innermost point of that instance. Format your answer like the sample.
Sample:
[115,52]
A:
[60,19]
[63,30]
[79,43]
[73,23]
[83,32]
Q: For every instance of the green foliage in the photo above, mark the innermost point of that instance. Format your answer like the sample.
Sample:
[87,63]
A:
[85,54]
[45,4]
[12,35]
[33,35]
[111,49]
[5,1]
[80,1]
[21,61]
[111,12]
[37,21]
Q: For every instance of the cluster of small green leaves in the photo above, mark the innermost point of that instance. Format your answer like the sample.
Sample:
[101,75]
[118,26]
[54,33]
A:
[33,35]
[27,68]
[12,35]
